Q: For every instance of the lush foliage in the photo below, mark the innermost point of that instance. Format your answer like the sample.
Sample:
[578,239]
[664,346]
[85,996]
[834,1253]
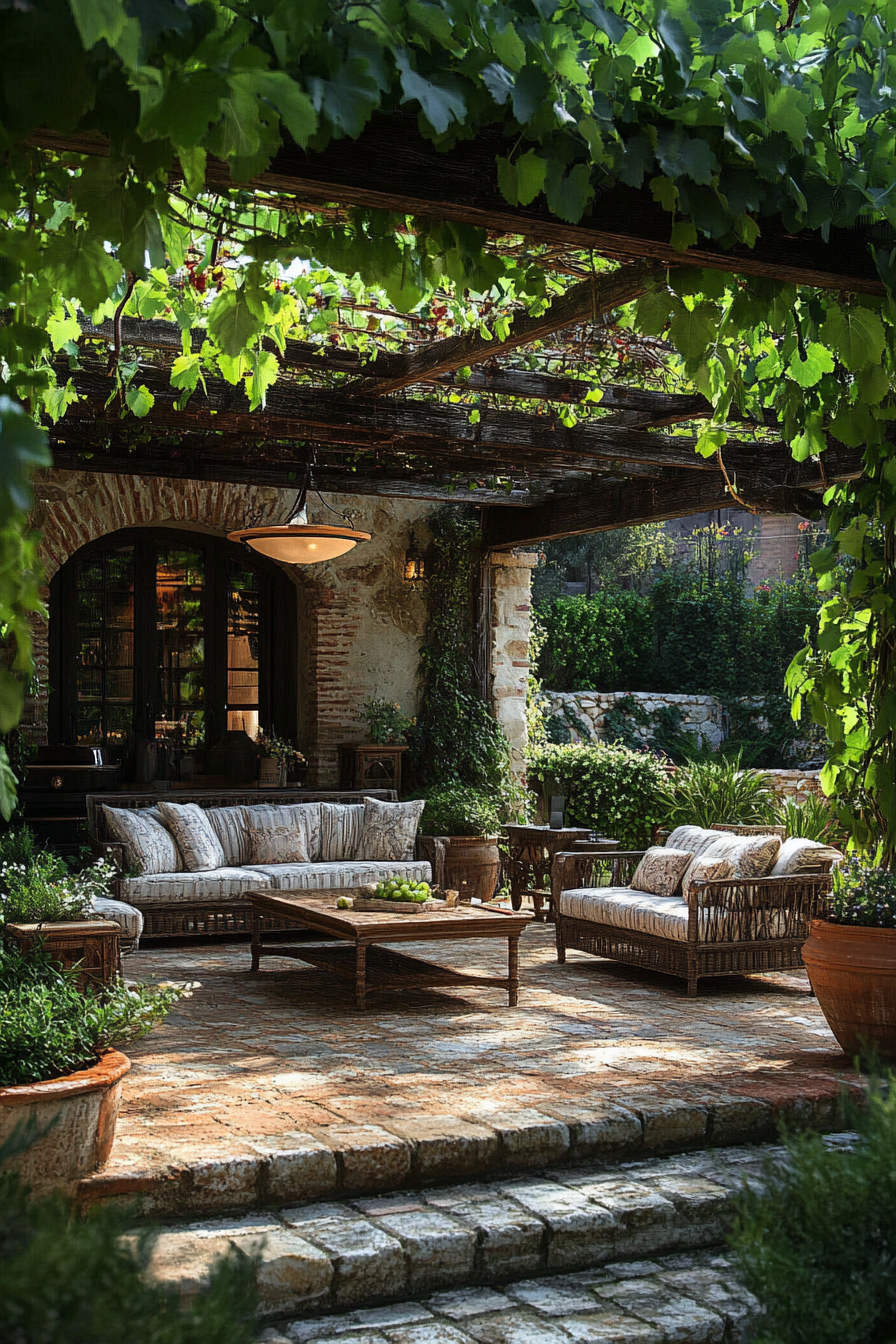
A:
[459,811]
[49,1028]
[710,792]
[604,643]
[813,819]
[816,1242]
[64,1279]
[385,721]
[456,739]
[625,558]
[44,889]
[863,894]
[610,788]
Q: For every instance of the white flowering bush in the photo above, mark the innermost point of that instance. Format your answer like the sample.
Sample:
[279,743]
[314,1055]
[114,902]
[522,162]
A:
[45,891]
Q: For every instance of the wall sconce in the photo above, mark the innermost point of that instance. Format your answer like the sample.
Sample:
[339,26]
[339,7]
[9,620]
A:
[414,563]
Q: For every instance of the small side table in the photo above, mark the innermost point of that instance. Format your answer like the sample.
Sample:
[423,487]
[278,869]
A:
[90,944]
[370,765]
[532,850]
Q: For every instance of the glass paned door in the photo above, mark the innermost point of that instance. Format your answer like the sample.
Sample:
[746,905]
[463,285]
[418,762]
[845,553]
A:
[243,636]
[180,647]
[103,702]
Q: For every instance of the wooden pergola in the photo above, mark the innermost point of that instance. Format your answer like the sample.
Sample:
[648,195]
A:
[364,427]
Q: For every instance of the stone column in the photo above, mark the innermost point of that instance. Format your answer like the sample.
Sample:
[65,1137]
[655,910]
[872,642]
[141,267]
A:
[508,583]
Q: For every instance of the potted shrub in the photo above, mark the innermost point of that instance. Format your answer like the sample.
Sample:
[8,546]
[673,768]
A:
[58,1067]
[466,825]
[386,725]
[851,959]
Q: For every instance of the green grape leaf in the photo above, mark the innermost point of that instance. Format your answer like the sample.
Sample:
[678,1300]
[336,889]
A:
[604,19]
[232,322]
[653,311]
[295,107]
[263,371]
[569,193]
[8,782]
[873,383]
[783,112]
[812,441]
[139,400]
[664,192]
[692,332]
[530,174]
[79,267]
[23,448]
[441,103]
[807,372]
[185,372]
[684,235]
[856,336]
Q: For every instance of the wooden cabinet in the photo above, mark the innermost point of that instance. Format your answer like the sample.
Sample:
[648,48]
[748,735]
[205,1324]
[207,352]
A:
[369,765]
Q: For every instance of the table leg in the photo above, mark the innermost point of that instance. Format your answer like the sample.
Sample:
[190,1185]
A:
[536,904]
[257,920]
[513,970]
[360,975]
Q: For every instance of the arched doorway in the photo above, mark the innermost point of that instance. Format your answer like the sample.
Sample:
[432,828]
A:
[169,635]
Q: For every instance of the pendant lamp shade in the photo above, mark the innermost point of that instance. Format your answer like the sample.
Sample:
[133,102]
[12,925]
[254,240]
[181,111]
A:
[300,543]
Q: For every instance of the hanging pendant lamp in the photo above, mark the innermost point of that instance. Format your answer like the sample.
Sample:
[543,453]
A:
[299,542]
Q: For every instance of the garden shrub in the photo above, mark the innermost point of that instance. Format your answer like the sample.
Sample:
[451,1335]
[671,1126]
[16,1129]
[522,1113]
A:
[710,792]
[458,811]
[607,786]
[816,1243]
[813,819]
[604,642]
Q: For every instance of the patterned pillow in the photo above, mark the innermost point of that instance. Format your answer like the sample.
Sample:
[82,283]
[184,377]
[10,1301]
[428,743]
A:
[148,846]
[303,819]
[749,855]
[390,830]
[341,828]
[804,856]
[196,840]
[661,870]
[704,869]
[276,844]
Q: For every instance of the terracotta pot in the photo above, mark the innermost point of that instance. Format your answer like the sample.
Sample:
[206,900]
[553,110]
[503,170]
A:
[86,1104]
[472,864]
[853,973]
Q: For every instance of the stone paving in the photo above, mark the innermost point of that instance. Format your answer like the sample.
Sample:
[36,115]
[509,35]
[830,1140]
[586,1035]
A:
[582,1225]
[266,1088]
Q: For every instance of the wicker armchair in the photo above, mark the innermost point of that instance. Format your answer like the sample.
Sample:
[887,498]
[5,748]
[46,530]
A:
[737,926]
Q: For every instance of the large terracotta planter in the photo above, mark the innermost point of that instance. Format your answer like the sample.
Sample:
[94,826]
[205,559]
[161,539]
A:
[472,863]
[853,973]
[86,1104]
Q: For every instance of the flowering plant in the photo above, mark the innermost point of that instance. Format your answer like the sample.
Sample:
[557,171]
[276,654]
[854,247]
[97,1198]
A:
[385,721]
[45,892]
[279,747]
[863,894]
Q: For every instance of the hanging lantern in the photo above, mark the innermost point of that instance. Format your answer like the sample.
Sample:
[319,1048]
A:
[299,542]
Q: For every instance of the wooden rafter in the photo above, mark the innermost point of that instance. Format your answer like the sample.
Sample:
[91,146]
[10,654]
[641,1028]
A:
[591,298]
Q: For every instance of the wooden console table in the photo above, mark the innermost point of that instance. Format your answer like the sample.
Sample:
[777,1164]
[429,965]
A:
[370,765]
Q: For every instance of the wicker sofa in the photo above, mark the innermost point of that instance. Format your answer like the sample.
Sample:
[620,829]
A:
[726,927]
[213,901]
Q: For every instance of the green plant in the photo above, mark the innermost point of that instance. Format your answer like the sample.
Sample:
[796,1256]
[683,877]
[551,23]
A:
[385,721]
[709,792]
[69,1280]
[459,811]
[43,890]
[608,787]
[863,894]
[49,1028]
[280,748]
[813,819]
[603,643]
[621,721]
[815,1240]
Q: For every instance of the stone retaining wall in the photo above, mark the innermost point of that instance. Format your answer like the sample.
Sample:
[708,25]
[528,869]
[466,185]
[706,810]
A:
[796,784]
[702,713]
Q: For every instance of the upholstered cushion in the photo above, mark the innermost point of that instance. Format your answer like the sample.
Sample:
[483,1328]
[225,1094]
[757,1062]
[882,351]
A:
[148,846]
[341,827]
[797,855]
[660,871]
[218,886]
[229,825]
[350,873]
[390,829]
[695,838]
[749,855]
[128,919]
[303,818]
[276,844]
[625,908]
[196,839]
[706,869]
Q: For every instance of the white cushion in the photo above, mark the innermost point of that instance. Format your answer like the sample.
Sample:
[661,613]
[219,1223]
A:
[797,855]
[218,885]
[148,846]
[303,818]
[129,920]
[351,873]
[341,827]
[624,908]
[229,826]
[195,836]
[749,855]
[695,838]
[390,829]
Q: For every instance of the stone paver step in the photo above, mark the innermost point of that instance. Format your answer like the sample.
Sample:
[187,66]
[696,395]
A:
[362,1253]
[683,1299]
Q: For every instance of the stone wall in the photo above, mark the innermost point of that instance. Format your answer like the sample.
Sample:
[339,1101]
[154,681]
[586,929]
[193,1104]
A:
[796,784]
[702,713]
[359,622]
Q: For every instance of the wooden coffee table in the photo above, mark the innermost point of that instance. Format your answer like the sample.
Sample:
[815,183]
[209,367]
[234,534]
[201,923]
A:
[356,955]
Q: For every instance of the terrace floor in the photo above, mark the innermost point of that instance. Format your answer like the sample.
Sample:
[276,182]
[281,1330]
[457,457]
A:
[597,1058]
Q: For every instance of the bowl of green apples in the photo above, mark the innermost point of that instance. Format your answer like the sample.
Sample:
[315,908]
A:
[395,896]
